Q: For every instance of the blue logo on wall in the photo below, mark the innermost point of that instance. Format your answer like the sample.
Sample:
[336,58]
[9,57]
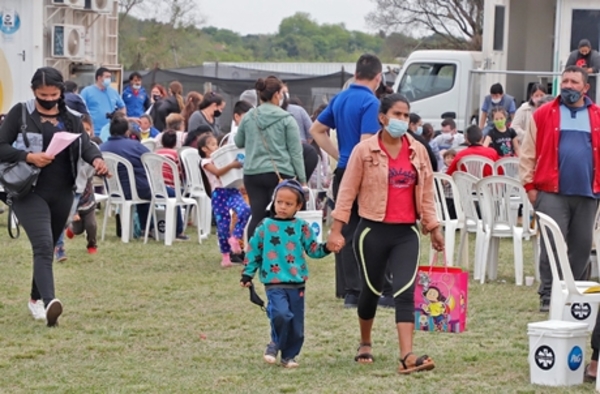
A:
[316,229]
[9,22]
[575,358]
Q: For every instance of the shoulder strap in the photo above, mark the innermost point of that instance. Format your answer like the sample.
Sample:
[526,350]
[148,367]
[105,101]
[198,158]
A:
[24,125]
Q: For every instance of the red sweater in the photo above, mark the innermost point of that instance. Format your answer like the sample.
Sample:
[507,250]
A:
[474,150]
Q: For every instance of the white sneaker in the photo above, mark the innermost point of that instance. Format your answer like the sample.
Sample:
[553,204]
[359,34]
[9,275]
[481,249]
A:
[37,309]
[53,311]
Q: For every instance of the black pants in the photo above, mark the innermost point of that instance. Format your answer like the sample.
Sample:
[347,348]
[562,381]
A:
[260,190]
[346,265]
[381,247]
[311,159]
[43,215]
[87,223]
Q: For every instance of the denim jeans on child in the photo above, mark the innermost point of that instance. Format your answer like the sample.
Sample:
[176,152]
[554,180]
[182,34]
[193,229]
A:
[224,200]
[286,312]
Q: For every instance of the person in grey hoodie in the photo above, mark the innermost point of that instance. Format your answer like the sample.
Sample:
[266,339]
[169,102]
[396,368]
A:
[271,139]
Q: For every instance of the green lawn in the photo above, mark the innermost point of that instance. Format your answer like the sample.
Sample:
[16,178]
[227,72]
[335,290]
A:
[154,319]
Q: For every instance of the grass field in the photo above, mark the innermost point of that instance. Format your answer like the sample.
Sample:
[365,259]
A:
[154,319]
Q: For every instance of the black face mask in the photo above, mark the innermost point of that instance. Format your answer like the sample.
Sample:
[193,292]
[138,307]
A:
[156,97]
[217,113]
[46,104]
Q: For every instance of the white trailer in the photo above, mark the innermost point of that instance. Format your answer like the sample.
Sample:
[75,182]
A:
[74,36]
[524,41]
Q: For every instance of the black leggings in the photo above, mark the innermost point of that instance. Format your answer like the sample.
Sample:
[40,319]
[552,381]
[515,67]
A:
[311,159]
[260,190]
[43,215]
[377,247]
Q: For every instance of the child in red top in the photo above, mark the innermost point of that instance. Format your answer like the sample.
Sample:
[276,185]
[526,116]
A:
[169,141]
[474,137]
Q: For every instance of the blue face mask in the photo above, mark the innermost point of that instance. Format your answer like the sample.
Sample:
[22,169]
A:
[397,128]
[419,130]
[570,96]
[106,82]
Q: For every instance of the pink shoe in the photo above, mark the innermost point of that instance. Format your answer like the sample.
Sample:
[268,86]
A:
[235,245]
[226,262]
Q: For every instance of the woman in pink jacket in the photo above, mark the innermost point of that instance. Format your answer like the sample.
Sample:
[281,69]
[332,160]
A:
[391,175]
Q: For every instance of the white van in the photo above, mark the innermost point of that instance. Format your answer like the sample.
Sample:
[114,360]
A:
[436,83]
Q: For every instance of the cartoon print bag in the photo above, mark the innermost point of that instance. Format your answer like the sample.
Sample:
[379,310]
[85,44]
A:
[441,298]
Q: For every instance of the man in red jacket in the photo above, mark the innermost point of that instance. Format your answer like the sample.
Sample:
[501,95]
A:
[559,164]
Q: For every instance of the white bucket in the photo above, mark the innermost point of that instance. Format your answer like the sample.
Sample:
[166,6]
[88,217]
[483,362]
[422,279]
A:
[581,312]
[223,157]
[556,352]
[314,220]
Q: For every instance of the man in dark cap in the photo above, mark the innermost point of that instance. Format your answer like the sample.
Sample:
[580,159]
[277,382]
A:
[589,59]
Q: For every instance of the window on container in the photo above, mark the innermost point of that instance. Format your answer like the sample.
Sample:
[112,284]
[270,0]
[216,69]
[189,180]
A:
[423,80]
[499,28]
[585,24]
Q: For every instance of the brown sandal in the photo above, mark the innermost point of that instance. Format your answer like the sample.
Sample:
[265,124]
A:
[423,363]
[364,357]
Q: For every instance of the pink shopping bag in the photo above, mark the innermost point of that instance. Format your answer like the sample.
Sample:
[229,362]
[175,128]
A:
[441,298]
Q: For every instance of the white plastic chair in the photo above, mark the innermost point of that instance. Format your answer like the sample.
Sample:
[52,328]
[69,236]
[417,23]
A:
[509,166]
[566,291]
[443,215]
[499,194]
[475,165]
[194,188]
[116,195]
[467,190]
[154,165]
[150,144]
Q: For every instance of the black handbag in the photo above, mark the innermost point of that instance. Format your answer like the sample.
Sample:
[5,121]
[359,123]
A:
[19,178]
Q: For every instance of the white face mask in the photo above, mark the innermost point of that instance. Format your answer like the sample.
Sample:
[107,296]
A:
[281,99]
[137,87]
[496,101]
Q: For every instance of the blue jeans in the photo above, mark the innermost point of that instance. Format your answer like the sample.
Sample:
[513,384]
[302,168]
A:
[286,312]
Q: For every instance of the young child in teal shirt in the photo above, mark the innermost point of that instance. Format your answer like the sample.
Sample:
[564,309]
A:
[277,251]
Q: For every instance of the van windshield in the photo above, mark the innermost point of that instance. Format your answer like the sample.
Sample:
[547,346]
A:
[422,80]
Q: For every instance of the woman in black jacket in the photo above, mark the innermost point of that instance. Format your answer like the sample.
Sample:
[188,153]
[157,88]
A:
[167,106]
[44,212]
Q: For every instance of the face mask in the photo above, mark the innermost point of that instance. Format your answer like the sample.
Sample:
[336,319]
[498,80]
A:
[570,96]
[397,128]
[106,82]
[496,101]
[137,87]
[217,113]
[156,97]
[419,130]
[500,123]
[286,95]
[46,104]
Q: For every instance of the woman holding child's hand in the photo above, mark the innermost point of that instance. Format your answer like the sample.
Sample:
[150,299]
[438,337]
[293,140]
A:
[391,175]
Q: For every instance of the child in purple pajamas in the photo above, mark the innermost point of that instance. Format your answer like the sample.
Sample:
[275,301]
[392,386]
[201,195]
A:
[224,200]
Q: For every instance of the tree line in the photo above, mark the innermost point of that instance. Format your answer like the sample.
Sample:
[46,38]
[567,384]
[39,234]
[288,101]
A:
[172,34]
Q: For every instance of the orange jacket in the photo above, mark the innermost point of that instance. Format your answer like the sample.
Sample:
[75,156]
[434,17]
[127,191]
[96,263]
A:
[366,177]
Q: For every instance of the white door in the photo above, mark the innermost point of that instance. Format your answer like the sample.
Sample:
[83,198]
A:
[577,19]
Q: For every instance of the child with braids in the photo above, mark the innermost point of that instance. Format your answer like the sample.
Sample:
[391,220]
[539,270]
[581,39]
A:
[276,251]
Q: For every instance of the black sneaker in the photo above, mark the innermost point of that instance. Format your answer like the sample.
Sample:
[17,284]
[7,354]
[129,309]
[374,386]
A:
[351,300]
[270,355]
[236,258]
[386,301]
[544,305]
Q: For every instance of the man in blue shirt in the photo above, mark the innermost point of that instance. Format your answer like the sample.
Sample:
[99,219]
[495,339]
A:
[496,98]
[101,99]
[135,97]
[354,115]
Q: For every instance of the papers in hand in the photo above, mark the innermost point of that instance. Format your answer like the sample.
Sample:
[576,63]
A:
[60,141]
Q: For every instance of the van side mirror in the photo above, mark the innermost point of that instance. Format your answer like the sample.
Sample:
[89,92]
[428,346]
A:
[451,115]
